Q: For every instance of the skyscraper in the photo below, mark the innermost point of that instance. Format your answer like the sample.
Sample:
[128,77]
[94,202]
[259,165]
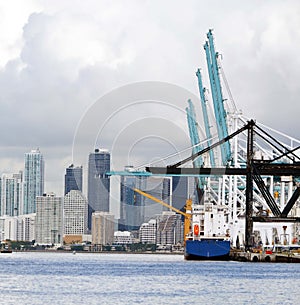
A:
[180,191]
[11,194]
[131,203]
[33,180]
[73,179]
[49,219]
[98,182]
[75,213]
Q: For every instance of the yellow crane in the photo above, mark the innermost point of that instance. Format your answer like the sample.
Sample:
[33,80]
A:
[187,214]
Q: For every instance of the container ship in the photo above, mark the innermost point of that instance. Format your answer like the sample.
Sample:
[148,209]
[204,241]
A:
[209,237]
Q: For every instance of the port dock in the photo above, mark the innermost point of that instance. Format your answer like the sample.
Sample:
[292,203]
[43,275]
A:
[265,256]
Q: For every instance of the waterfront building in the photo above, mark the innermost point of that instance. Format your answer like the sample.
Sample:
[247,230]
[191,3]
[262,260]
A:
[8,227]
[169,229]
[11,194]
[20,228]
[123,238]
[73,178]
[49,219]
[98,182]
[26,227]
[33,180]
[75,213]
[147,232]
[103,228]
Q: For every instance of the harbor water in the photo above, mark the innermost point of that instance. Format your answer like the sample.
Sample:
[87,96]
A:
[93,278]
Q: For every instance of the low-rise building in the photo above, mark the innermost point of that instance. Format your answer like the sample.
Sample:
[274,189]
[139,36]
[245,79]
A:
[123,238]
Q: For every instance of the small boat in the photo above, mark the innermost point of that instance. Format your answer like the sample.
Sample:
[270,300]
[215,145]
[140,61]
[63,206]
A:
[5,247]
[5,251]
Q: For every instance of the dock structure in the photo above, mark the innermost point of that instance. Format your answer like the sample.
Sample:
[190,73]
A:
[252,169]
[281,254]
[249,168]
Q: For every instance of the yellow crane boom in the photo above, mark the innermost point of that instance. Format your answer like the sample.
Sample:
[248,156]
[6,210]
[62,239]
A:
[187,215]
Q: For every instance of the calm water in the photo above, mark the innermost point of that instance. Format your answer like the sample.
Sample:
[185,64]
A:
[64,278]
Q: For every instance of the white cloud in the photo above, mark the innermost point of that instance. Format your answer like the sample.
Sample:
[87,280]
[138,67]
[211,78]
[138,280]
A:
[58,57]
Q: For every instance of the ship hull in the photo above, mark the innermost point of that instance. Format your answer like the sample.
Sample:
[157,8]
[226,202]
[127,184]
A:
[207,249]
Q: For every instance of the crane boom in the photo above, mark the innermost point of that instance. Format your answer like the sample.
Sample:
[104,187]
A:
[205,116]
[161,202]
[195,141]
[187,215]
[215,83]
[194,135]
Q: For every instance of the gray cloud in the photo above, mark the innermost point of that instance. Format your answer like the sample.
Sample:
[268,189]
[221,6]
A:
[72,54]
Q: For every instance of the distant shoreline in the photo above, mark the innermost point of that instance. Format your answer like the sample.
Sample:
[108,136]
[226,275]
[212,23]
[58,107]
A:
[97,252]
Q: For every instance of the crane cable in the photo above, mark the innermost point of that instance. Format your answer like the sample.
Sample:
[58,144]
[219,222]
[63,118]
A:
[227,86]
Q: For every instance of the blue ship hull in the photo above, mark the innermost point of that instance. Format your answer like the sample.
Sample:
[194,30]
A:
[207,249]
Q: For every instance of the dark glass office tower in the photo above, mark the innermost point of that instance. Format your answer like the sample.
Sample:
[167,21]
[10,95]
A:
[180,191]
[73,179]
[98,182]
[136,209]
[131,203]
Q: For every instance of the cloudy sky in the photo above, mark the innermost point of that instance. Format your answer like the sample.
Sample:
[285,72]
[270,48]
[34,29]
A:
[116,74]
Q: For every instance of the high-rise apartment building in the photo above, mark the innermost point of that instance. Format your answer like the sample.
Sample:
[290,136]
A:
[49,219]
[169,229]
[75,213]
[98,182]
[11,194]
[33,180]
[73,178]
[103,228]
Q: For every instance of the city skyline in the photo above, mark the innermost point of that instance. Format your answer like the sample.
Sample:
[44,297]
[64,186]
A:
[50,75]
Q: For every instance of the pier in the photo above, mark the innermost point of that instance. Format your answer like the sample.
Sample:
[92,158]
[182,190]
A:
[289,256]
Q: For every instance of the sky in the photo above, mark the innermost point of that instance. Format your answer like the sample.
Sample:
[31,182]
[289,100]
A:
[75,75]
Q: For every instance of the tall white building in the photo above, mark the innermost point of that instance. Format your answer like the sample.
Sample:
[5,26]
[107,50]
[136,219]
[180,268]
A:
[8,227]
[26,227]
[11,194]
[103,228]
[33,180]
[49,219]
[75,213]
[147,232]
